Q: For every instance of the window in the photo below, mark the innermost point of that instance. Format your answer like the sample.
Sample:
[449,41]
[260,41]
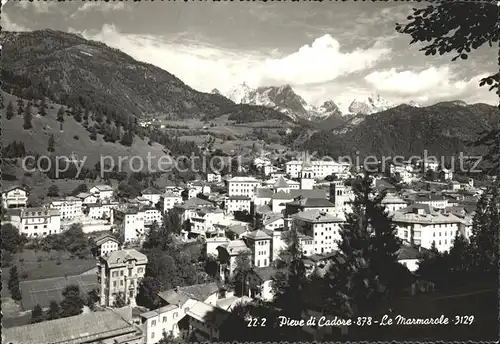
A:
[121,273]
[114,283]
[164,319]
[153,323]
[121,282]
[152,335]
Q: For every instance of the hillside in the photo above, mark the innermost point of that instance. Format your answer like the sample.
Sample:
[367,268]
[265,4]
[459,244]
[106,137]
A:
[443,129]
[73,139]
[76,72]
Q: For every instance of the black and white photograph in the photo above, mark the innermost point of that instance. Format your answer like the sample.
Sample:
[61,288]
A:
[249,171]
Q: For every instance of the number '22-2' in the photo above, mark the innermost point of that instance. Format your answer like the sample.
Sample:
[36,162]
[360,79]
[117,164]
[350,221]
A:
[256,322]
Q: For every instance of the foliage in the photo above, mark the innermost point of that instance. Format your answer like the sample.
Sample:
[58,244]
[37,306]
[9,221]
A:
[9,111]
[53,191]
[72,303]
[14,150]
[51,144]
[12,241]
[79,189]
[28,116]
[36,314]
[53,311]
[13,283]
[459,28]
[60,114]
[289,282]
[119,300]
[73,240]
[361,274]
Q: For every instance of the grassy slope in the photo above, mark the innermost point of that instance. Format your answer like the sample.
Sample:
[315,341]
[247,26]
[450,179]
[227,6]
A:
[37,138]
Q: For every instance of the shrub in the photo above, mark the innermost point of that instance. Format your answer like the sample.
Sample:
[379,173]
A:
[76,137]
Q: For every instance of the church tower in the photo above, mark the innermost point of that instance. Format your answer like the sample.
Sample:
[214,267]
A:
[307,176]
[338,194]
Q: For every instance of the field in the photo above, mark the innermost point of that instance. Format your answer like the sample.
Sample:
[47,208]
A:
[43,291]
[31,269]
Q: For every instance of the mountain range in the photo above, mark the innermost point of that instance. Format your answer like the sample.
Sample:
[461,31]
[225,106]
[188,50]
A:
[83,74]
[287,101]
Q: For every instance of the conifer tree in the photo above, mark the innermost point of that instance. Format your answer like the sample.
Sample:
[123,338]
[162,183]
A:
[27,117]
[290,281]
[20,107]
[360,276]
[52,142]
[10,111]
[43,107]
[53,311]
[60,114]
[36,314]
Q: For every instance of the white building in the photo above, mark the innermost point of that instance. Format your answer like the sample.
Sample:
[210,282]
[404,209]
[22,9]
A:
[242,186]
[423,226]
[393,203]
[214,177]
[433,200]
[39,222]
[87,198]
[69,207]
[237,203]
[322,227]
[14,197]
[105,244]
[100,210]
[130,223]
[320,168]
[169,199]
[204,219]
[119,273]
[152,215]
[102,192]
[260,245]
[152,195]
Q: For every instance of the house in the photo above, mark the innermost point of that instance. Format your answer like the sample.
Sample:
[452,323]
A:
[162,320]
[260,244]
[87,198]
[214,177]
[169,199]
[237,203]
[198,187]
[130,222]
[102,192]
[307,203]
[409,256]
[242,186]
[152,195]
[14,197]
[105,244]
[227,254]
[100,210]
[322,227]
[119,273]
[107,326]
[204,219]
[39,222]
[273,221]
[152,215]
[421,225]
[393,203]
[259,282]
[436,201]
[320,168]
[211,324]
[69,207]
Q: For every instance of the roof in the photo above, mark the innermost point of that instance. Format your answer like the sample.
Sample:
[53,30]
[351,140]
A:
[236,247]
[315,193]
[430,197]
[312,202]
[195,202]
[151,191]
[83,328]
[198,292]
[120,257]
[264,192]
[238,197]
[257,235]
[392,199]
[243,179]
[33,212]
[170,194]
[14,188]
[103,187]
[104,238]
[156,312]
[316,216]
[281,183]
[271,217]
[84,195]
[208,314]
[429,216]
[263,209]
[238,229]
[282,195]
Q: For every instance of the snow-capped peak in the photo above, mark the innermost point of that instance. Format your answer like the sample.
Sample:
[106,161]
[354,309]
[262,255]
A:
[414,104]
[238,93]
[374,103]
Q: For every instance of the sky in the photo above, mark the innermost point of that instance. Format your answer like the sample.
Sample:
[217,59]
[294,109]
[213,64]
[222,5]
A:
[337,51]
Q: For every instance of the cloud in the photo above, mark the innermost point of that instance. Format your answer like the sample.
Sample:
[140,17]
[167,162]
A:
[37,6]
[205,67]
[427,85]
[8,25]
[99,7]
